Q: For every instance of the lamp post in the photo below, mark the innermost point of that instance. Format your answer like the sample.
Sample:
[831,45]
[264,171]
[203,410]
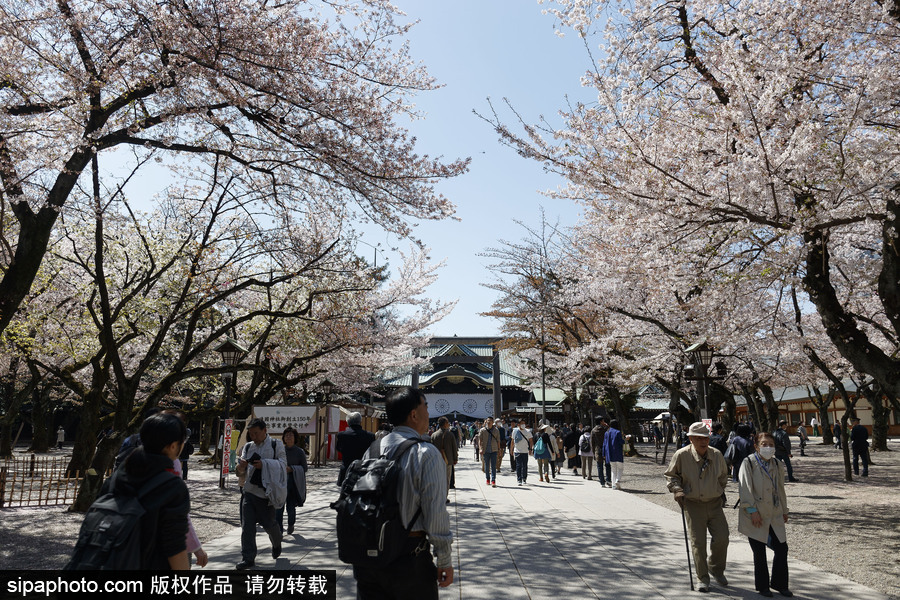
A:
[327,388]
[591,389]
[231,352]
[702,353]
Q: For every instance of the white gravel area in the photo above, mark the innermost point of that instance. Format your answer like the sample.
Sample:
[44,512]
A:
[851,529]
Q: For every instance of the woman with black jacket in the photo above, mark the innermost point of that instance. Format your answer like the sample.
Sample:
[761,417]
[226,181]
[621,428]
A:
[164,526]
[570,443]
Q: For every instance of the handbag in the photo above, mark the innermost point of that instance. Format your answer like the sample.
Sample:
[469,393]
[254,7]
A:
[729,454]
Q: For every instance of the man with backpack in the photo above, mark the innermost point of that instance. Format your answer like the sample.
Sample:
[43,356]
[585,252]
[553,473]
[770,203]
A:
[586,454]
[140,520]
[263,462]
[423,510]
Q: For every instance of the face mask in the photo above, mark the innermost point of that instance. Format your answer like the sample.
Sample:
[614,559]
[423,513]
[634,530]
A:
[767,452]
[521,426]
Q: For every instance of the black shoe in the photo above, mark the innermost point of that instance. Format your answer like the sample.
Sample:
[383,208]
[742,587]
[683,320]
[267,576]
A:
[290,529]
[765,593]
[244,565]
[786,593]
[276,549]
[793,480]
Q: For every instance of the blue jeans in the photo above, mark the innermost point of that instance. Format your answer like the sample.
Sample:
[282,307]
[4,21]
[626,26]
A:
[490,466]
[522,466]
[600,462]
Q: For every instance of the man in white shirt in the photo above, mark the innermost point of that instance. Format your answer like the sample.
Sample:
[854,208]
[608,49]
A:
[267,457]
[423,492]
[522,444]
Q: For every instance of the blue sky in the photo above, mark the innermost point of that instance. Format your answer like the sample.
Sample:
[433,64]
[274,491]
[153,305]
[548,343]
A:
[477,49]
[487,49]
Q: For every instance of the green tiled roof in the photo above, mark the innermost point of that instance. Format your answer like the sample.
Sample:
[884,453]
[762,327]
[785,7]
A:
[483,373]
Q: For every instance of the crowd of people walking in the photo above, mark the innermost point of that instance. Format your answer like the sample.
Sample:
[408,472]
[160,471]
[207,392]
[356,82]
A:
[272,479]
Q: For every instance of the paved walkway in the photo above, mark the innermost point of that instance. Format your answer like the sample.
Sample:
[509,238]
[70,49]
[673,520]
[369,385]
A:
[566,539]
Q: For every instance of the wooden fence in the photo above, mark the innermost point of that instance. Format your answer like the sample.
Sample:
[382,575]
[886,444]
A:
[37,481]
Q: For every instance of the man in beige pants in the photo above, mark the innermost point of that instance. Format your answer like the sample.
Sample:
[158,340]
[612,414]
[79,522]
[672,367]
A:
[697,476]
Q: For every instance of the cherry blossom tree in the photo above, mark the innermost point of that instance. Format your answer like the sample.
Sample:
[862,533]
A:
[148,296]
[300,98]
[758,137]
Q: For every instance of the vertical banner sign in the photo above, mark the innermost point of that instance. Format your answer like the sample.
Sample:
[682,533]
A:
[708,423]
[226,446]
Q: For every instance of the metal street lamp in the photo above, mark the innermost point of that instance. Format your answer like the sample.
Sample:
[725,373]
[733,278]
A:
[327,388]
[702,353]
[232,353]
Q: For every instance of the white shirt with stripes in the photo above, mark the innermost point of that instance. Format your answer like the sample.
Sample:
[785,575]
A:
[423,483]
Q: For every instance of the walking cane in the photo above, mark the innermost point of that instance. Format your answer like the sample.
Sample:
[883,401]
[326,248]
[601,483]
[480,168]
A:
[687,547]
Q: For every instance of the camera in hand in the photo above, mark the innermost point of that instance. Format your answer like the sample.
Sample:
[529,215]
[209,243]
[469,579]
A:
[256,478]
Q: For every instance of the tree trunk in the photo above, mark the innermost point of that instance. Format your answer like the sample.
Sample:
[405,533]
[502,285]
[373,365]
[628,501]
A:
[822,402]
[206,430]
[667,433]
[771,407]
[676,410]
[40,438]
[845,445]
[825,426]
[755,407]
[840,324]
[880,414]
[94,476]
[11,408]
[849,411]
[5,438]
[86,434]
[622,415]
[729,414]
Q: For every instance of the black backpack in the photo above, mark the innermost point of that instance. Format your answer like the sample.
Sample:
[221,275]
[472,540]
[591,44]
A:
[110,536]
[369,529]
[585,443]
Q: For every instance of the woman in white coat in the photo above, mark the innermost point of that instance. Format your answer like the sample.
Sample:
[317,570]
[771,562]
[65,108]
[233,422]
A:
[764,512]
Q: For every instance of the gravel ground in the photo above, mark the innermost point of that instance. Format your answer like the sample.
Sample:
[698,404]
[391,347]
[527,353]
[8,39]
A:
[851,529]
[848,528]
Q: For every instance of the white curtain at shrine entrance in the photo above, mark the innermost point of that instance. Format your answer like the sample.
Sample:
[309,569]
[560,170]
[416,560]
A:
[476,406]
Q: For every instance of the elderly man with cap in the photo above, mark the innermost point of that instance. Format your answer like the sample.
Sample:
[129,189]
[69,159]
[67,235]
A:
[697,476]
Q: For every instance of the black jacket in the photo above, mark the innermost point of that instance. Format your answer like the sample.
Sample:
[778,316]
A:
[352,443]
[718,442]
[164,526]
